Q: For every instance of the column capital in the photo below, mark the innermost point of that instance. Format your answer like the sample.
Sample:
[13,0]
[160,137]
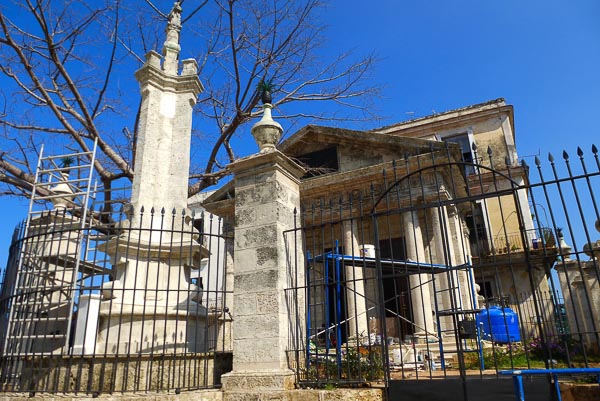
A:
[152,74]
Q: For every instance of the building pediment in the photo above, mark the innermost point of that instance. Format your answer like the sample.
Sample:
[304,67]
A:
[313,138]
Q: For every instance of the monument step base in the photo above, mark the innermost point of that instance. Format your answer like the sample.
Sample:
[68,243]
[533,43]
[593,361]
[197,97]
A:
[276,380]
[306,395]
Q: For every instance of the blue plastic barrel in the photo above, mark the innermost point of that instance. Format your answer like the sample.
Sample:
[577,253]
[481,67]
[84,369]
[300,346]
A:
[498,324]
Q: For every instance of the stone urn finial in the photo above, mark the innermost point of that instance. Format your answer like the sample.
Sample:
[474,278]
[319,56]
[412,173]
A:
[63,188]
[565,249]
[267,131]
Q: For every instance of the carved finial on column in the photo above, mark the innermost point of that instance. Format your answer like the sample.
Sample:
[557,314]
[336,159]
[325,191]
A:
[171,47]
[267,131]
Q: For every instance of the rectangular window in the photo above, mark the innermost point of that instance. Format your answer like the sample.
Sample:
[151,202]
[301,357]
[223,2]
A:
[323,161]
[465,142]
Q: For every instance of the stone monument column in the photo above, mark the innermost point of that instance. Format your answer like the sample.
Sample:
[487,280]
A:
[355,284]
[419,283]
[151,305]
[265,317]
[162,160]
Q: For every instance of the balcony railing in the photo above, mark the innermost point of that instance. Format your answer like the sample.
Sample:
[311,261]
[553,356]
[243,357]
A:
[513,242]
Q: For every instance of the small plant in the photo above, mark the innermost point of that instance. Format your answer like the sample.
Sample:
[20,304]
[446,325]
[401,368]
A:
[507,356]
[561,350]
[363,364]
[66,163]
[266,88]
[356,365]
[549,239]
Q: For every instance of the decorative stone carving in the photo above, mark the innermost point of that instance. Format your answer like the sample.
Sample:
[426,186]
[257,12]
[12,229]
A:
[267,132]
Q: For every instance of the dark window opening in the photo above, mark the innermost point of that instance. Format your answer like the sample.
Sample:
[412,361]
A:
[465,146]
[394,248]
[199,225]
[320,162]
[396,290]
[486,289]
[477,236]
[337,299]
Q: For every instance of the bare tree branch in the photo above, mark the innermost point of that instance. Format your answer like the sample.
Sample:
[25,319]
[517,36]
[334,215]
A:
[66,73]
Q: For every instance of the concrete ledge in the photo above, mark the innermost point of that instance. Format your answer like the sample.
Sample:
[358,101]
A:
[579,391]
[214,395]
[307,395]
[276,380]
[200,395]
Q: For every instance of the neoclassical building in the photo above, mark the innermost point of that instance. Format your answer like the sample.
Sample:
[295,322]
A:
[438,197]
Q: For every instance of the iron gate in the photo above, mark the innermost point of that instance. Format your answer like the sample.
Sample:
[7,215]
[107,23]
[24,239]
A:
[442,269]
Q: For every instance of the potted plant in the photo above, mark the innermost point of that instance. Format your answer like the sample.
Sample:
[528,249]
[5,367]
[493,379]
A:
[266,88]
[66,163]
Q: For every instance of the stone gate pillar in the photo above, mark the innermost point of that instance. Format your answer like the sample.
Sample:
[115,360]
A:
[267,261]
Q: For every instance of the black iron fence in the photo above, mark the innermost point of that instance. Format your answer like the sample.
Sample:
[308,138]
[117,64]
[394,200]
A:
[115,303]
[424,272]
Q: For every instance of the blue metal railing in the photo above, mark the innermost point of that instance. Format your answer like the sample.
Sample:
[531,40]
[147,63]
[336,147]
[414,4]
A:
[518,374]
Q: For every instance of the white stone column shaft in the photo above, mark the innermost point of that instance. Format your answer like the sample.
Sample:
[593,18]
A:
[419,283]
[447,284]
[462,255]
[355,284]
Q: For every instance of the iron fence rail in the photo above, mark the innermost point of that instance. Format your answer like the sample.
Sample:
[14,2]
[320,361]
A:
[516,282]
[149,304]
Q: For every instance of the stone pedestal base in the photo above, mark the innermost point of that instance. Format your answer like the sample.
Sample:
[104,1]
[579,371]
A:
[256,385]
[152,333]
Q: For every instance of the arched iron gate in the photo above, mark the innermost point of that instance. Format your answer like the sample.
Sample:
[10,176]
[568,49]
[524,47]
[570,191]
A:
[447,272]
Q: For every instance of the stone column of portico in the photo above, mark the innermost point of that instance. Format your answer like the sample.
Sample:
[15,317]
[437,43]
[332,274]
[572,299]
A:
[462,255]
[449,283]
[419,283]
[355,284]
[225,335]
[266,263]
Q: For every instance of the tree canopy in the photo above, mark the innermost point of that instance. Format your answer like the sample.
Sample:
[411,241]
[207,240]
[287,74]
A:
[67,78]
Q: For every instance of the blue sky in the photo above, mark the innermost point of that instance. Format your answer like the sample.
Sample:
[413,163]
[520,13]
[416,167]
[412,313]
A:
[543,57]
